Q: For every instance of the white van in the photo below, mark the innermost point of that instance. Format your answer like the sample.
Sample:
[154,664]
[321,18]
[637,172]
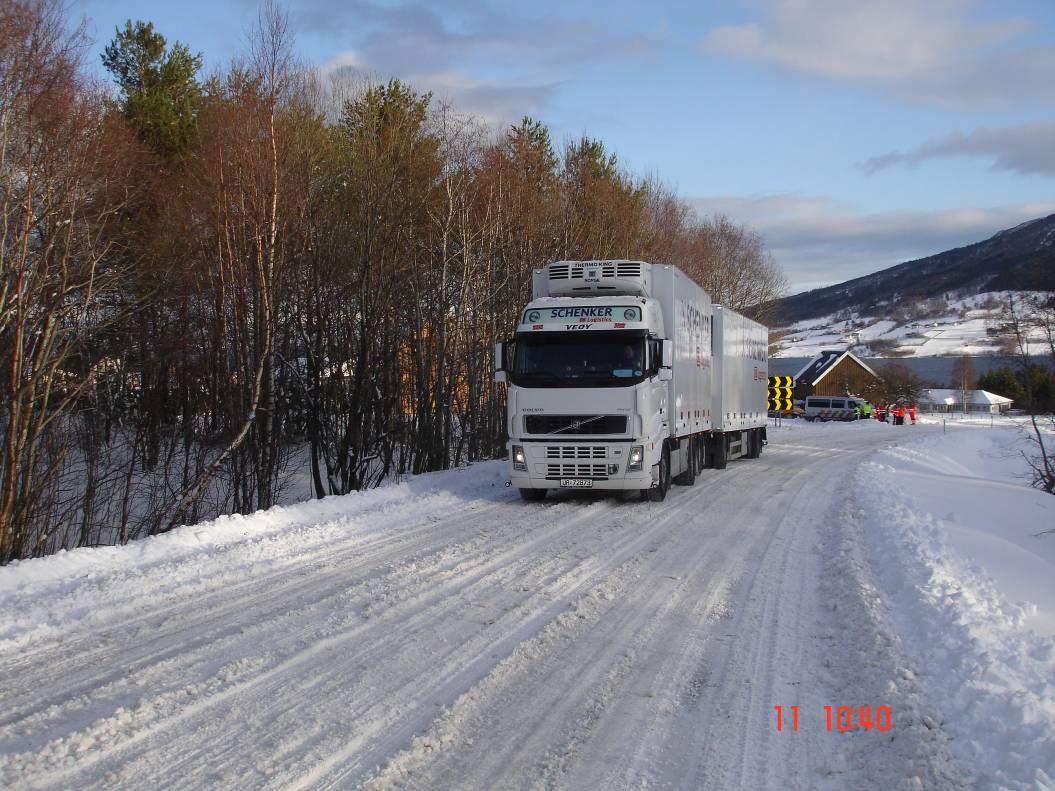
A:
[832,408]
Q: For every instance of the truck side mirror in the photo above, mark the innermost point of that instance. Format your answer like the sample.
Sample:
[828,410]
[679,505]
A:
[667,359]
[502,348]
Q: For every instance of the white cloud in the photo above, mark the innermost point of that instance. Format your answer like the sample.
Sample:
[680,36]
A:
[492,102]
[343,60]
[1025,149]
[494,61]
[819,241]
[938,51]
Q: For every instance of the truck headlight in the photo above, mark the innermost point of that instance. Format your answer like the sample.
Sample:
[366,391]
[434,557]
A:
[519,459]
[635,461]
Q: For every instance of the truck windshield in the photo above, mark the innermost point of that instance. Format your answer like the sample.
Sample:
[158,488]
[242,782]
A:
[565,360]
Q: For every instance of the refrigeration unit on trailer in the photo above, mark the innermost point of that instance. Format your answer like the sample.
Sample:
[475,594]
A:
[611,381]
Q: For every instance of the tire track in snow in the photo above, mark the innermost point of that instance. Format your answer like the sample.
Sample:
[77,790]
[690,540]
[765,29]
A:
[182,693]
[552,729]
[566,526]
[52,668]
[577,644]
[384,718]
[648,737]
[146,593]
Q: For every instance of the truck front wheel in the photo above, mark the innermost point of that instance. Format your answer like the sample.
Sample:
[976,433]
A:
[658,493]
[532,495]
[688,477]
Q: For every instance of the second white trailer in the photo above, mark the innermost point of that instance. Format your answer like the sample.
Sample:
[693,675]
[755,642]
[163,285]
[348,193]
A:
[738,399]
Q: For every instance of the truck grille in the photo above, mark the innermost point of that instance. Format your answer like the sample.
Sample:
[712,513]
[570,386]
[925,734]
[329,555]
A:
[575,452]
[556,471]
[566,424]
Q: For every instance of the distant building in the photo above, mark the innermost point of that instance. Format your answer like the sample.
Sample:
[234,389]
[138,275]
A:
[834,372]
[952,401]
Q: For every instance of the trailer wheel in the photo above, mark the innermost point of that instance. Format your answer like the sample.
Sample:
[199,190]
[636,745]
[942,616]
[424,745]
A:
[658,493]
[688,478]
[754,444]
[533,495]
[720,456]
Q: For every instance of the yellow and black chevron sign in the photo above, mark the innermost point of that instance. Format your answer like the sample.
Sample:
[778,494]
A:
[780,393]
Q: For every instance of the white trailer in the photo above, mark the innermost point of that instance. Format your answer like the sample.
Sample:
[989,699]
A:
[614,381]
[741,371]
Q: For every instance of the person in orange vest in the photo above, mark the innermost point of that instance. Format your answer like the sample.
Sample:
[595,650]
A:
[881,412]
[912,413]
[899,414]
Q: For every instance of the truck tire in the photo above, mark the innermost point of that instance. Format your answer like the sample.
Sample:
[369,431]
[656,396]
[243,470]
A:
[533,495]
[749,445]
[754,444]
[719,452]
[688,478]
[658,493]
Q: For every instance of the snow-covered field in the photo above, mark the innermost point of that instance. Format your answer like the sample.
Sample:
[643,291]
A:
[439,633]
[971,325]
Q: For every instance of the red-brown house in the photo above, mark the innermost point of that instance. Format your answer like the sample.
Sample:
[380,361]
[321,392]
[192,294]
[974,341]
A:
[835,372]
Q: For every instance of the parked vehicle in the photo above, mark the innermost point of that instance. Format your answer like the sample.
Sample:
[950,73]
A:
[624,376]
[833,408]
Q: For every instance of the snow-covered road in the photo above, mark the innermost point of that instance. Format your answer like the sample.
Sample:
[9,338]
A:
[442,634]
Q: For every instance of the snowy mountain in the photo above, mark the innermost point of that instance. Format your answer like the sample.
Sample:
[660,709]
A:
[972,325]
[1018,259]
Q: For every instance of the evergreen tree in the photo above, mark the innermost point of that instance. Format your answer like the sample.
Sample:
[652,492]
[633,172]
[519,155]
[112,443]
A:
[529,146]
[1042,387]
[160,91]
[1003,382]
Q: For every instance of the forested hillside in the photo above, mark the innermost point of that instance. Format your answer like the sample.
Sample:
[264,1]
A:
[210,283]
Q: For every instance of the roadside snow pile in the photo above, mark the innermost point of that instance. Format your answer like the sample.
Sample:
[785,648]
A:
[42,596]
[961,556]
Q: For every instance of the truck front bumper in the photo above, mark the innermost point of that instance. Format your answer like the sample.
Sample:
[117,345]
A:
[602,463]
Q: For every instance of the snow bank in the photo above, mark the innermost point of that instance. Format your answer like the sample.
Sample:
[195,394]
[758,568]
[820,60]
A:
[74,583]
[956,542]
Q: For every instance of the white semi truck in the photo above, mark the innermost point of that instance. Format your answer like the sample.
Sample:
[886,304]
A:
[624,376]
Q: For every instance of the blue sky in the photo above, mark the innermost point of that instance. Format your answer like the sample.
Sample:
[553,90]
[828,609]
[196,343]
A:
[853,135]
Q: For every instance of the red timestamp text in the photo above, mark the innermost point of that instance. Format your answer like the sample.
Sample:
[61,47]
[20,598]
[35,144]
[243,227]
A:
[840,718]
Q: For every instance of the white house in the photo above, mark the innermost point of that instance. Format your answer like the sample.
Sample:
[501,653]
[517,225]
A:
[945,400]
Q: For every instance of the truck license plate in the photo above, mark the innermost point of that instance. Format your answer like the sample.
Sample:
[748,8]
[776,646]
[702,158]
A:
[576,483]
